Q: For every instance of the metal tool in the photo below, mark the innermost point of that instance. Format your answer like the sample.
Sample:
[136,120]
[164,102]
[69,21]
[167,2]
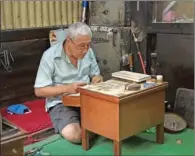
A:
[114,36]
[137,5]
[85,4]
[154,64]
[124,59]
[5,57]
[131,62]
[139,53]
[132,87]
[8,68]
[174,123]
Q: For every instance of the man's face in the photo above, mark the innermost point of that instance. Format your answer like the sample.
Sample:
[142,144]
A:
[79,46]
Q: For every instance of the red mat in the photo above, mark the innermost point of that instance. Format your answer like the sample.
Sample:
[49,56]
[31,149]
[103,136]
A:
[33,122]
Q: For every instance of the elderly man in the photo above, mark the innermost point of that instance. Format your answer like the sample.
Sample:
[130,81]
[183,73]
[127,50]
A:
[63,68]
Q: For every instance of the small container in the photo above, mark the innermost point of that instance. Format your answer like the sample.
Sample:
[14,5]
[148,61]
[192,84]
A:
[159,78]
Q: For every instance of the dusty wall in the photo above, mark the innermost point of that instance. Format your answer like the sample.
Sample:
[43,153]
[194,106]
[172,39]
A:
[38,14]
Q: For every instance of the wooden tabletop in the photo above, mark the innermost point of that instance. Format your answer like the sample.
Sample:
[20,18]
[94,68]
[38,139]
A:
[120,96]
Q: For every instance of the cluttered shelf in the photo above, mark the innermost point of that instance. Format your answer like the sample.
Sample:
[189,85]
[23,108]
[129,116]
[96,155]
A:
[173,12]
[171,17]
[170,28]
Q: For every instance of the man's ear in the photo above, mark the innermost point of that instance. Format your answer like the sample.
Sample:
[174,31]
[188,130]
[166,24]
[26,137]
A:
[67,39]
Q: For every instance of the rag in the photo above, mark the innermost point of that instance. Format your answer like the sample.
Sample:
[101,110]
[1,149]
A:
[18,109]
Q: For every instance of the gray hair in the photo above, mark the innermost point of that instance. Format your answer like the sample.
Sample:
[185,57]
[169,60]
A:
[78,28]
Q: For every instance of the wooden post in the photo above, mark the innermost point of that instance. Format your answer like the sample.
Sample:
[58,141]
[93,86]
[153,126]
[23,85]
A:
[160,133]
[117,148]
[85,139]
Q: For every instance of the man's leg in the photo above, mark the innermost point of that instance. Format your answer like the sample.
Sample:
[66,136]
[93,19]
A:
[72,132]
[66,121]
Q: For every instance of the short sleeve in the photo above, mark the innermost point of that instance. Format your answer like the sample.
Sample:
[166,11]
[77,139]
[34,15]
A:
[94,68]
[45,73]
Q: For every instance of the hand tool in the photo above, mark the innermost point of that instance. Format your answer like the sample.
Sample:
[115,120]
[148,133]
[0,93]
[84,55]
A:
[139,53]
[132,87]
[6,62]
[85,4]
[131,62]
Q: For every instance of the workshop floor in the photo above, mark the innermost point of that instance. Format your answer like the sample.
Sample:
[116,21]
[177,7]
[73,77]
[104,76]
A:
[142,144]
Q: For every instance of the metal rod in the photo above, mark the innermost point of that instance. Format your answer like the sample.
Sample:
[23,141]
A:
[137,5]
[139,53]
[84,6]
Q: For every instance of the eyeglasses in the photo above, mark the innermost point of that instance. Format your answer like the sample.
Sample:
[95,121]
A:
[81,46]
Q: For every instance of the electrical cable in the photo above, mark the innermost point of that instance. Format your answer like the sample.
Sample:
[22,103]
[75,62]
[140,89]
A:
[33,151]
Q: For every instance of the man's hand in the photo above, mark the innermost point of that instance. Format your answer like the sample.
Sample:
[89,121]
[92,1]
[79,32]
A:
[97,79]
[73,87]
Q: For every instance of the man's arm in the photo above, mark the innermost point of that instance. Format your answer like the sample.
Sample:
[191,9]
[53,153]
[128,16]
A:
[50,91]
[44,83]
[58,90]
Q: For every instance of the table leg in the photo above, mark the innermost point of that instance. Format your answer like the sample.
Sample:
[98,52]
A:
[85,139]
[160,133]
[117,148]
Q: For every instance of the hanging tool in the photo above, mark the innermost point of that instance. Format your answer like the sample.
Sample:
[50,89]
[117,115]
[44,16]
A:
[85,5]
[137,5]
[114,31]
[139,53]
[5,60]
[131,62]
[153,64]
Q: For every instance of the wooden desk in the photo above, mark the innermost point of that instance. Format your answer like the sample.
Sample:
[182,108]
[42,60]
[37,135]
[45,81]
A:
[73,101]
[118,117]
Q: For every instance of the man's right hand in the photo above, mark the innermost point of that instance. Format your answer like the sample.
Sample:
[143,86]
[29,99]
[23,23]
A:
[73,87]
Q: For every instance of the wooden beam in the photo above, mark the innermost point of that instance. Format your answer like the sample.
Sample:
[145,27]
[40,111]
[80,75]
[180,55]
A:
[26,34]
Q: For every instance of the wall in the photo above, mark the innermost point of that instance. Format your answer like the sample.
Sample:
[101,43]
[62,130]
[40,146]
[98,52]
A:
[38,14]
[25,30]
[173,43]
[175,62]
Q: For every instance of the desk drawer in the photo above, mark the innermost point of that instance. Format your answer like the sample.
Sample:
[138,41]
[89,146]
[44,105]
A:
[73,101]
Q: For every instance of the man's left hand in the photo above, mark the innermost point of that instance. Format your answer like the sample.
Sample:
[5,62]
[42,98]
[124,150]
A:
[97,79]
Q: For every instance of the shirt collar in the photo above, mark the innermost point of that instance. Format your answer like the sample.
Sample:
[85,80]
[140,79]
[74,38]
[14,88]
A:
[60,53]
